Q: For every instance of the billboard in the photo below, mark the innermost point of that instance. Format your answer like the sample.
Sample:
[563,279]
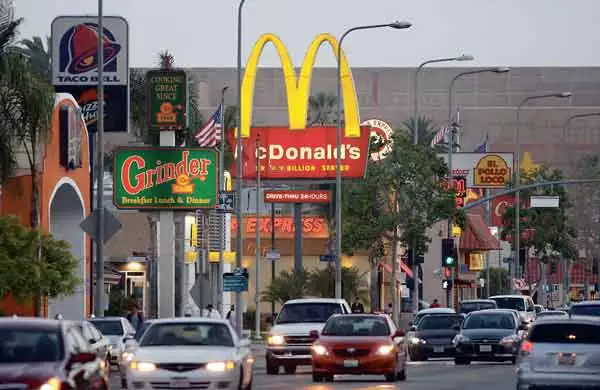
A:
[382,133]
[298,88]
[165,178]
[75,67]
[482,170]
[167,99]
[499,206]
[301,154]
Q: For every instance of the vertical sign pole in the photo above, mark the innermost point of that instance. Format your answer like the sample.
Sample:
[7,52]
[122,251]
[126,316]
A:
[99,308]
[258,249]
[222,223]
[273,261]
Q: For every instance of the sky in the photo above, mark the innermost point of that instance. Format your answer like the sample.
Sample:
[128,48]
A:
[203,33]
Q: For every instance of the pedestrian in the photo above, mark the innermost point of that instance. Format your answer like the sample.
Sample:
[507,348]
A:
[135,317]
[435,304]
[231,316]
[357,307]
[211,312]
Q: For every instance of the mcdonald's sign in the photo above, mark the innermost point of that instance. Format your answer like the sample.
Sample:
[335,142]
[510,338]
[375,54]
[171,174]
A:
[298,152]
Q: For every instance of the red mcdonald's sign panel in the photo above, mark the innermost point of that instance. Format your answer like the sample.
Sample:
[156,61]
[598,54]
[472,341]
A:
[312,226]
[301,154]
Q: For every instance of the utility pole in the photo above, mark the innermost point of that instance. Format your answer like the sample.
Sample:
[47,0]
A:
[222,223]
[272,261]
[258,249]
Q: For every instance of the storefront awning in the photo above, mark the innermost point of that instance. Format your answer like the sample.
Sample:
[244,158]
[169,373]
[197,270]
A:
[476,236]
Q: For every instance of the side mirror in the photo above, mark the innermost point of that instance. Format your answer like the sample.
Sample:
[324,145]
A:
[314,334]
[456,328]
[399,333]
[82,358]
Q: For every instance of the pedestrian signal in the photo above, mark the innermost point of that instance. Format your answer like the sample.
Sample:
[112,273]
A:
[448,253]
[446,284]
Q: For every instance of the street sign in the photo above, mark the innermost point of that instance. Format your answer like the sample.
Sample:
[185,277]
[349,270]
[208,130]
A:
[297,196]
[226,202]
[111,225]
[236,281]
[273,255]
[550,202]
[327,258]
[166,96]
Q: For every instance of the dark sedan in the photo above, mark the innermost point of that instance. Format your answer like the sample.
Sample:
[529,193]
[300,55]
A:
[488,335]
[432,337]
[48,354]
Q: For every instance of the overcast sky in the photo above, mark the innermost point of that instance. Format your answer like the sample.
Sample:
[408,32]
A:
[202,33]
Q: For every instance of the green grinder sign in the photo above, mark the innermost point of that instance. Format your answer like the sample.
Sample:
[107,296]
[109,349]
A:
[165,178]
[166,98]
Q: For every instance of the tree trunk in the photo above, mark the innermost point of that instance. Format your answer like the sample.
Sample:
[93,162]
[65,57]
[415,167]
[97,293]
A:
[374,285]
[35,224]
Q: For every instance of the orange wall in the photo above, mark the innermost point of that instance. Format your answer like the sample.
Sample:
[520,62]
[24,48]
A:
[16,195]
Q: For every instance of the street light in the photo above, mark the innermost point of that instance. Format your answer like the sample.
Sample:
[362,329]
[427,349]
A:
[517,170]
[239,239]
[338,173]
[566,126]
[462,57]
[497,70]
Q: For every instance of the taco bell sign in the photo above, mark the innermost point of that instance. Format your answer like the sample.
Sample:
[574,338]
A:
[74,50]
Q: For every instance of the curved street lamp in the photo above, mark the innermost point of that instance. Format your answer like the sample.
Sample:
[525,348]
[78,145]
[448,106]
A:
[338,173]
[517,170]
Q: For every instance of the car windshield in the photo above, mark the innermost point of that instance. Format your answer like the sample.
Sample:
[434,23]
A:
[586,310]
[439,322]
[513,303]
[141,330]
[356,325]
[468,307]
[109,327]
[490,321]
[20,344]
[187,334]
[307,312]
[565,333]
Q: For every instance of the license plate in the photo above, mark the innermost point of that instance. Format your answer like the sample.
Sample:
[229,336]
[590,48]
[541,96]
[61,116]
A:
[438,349]
[179,384]
[350,363]
[485,348]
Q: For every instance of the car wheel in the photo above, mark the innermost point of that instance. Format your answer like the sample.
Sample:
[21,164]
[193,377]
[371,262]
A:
[289,369]
[461,361]
[317,378]
[272,369]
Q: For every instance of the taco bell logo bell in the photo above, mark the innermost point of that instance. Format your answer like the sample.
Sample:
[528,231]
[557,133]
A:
[75,49]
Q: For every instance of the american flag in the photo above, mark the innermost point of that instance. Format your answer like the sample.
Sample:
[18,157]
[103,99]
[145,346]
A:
[439,136]
[210,133]
[483,147]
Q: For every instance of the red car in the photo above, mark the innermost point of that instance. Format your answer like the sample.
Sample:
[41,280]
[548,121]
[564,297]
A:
[359,344]
[48,355]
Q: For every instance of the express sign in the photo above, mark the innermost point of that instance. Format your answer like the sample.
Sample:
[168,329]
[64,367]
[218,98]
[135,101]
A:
[301,154]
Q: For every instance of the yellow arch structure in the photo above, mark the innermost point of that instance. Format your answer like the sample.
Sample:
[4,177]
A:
[298,90]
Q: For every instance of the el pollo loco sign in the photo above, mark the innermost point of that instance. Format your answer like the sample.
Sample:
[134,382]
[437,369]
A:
[299,152]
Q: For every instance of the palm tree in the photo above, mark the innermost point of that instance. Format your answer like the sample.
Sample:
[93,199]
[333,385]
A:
[322,109]
[38,54]
[8,29]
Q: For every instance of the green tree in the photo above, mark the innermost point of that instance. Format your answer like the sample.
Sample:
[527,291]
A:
[8,29]
[286,286]
[402,191]
[499,281]
[427,131]
[553,237]
[321,283]
[22,275]
[322,109]
[39,54]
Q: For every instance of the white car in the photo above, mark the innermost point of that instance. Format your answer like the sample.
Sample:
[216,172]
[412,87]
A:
[190,353]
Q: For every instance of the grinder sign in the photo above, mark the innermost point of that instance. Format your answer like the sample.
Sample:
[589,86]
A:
[492,171]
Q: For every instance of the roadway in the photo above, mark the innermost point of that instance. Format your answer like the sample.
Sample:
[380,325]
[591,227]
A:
[429,375]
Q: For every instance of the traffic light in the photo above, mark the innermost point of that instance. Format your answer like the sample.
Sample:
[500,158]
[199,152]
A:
[448,253]
[410,284]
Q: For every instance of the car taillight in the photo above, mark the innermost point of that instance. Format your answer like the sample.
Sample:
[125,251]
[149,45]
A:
[526,347]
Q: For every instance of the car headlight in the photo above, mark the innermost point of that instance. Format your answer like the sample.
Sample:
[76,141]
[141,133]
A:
[509,339]
[385,349]
[51,384]
[460,339]
[126,356]
[416,340]
[142,366]
[220,366]
[319,350]
[275,340]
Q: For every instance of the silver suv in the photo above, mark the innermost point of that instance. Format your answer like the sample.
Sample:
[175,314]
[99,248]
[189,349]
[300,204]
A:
[560,352]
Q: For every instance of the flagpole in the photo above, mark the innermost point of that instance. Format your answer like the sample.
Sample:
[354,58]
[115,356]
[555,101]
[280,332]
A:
[222,224]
